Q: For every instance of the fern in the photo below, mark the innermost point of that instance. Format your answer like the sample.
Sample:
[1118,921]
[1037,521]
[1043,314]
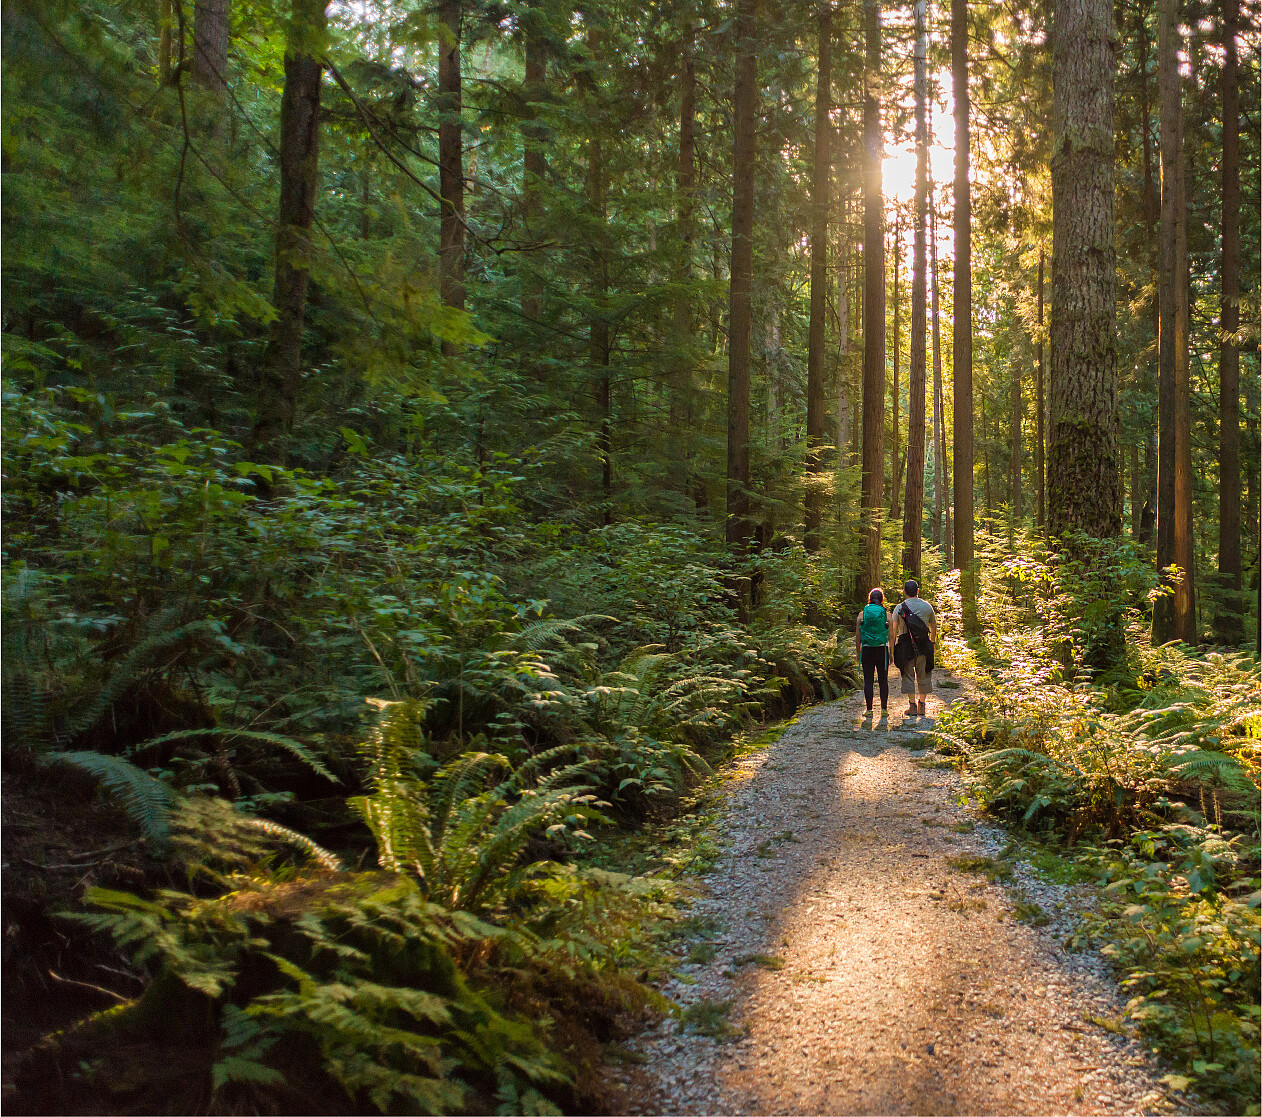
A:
[461,838]
[211,834]
[1214,768]
[131,667]
[294,748]
[366,976]
[23,715]
[147,801]
[553,637]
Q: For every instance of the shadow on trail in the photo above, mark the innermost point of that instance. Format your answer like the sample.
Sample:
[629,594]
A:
[870,976]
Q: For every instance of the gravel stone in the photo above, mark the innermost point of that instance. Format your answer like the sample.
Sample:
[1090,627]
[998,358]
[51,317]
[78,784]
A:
[887,981]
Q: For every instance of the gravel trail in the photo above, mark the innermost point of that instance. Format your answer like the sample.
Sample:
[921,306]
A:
[854,969]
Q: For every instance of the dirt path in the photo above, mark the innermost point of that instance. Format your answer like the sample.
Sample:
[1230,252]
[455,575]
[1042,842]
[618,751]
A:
[861,971]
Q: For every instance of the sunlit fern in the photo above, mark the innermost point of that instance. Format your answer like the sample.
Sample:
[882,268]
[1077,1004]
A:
[462,831]
[567,644]
[213,837]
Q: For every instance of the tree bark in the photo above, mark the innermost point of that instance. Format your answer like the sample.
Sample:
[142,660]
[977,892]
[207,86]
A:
[1152,198]
[598,328]
[1182,543]
[1014,435]
[1229,323]
[534,156]
[1152,217]
[1148,517]
[166,18]
[1171,111]
[299,174]
[820,203]
[450,159]
[896,472]
[873,477]
[210,44]
[939,399]
[1039,405]
[744,104]
[1083,455]
[685,186]
[1137,486]
[990,506]
[962,325]
[914,498]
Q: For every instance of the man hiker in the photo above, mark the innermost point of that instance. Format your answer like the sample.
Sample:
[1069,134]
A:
[915,633]
[872,646]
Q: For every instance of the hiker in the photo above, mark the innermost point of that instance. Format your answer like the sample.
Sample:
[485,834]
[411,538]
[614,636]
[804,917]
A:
[872,645]
[915,633]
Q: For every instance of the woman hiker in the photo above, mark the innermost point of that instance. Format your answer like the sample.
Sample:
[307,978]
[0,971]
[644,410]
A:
[872,645]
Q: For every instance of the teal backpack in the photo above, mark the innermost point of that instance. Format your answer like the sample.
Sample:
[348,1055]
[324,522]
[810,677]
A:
[874,629]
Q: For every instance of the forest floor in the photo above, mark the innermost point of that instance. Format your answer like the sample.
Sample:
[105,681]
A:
[867,943]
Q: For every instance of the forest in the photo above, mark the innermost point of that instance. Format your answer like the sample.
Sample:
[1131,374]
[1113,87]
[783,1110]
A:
[438,434]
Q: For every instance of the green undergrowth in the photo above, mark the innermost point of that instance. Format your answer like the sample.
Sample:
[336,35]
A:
[1134,767]
[384,665]
[681,839]
[459,976]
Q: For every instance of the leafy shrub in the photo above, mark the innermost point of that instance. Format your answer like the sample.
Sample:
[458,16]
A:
[1153,766]
[359,981]
[1188,950]
[462,831]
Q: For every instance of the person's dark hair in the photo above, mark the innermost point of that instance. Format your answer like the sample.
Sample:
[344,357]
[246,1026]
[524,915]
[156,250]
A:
[911,587]
[875,597]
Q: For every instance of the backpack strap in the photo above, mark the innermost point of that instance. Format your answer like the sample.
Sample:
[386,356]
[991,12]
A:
[907,626]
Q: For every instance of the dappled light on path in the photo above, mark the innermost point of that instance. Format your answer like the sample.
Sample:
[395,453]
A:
[859,952]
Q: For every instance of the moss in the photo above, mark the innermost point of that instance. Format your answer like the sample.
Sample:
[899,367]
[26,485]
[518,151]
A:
[993,869]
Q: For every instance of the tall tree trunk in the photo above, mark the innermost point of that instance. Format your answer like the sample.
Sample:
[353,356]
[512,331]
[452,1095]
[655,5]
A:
[935,522]
[210,44]
[1014,435]
[896,472]
[845,391]
[1229,323]
[1152,197]
[1182,543]
[1171,109]
[450,160]
[299,173]
[820,203]
[1039,405]
[914,499]
[534,157]
[744,103]
[940,452]
[598,328]
[962,325]
[1137,493]
[1152,218]
[990,505]
[844,388]
[1148,517]
[166,19]
[873,480]
[685,185]
[1084,467]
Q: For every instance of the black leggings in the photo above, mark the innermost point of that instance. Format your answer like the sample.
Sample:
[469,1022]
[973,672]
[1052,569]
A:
[876,659]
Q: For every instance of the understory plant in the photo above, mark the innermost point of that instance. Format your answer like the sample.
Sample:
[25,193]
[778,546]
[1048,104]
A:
[426,985]
[1148,772]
